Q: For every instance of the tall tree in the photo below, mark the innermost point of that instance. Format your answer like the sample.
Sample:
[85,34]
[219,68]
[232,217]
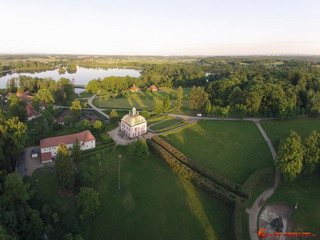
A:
[207,108]
[87,202]
[312,155]
[45,96]
[139,150]
[158,106]
[179,98]
[17,108]
[290,156]
[166,103]
[76,108]
[64,168]
[76,153]
[198,98]
[13,134]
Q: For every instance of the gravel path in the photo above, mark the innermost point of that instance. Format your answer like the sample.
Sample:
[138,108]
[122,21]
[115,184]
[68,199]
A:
[95,108]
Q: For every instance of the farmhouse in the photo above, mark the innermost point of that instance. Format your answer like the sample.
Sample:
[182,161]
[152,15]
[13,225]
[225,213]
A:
[49,146]
[133,124]
[153,88]
[134,88]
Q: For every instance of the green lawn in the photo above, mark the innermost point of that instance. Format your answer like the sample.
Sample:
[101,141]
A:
[277,130]
[234,149]
[165,124]
[139,100]
[306,192]
[154,202]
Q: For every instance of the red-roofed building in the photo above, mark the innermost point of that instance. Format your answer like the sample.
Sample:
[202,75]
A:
[153,88]
[134,88]
[49,146]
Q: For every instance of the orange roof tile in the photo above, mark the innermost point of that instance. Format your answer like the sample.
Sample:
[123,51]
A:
[84,136]
[46,156]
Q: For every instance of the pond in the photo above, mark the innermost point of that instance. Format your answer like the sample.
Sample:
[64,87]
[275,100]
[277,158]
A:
[81,77]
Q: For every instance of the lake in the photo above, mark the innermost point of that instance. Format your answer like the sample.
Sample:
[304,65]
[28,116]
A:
[81,77]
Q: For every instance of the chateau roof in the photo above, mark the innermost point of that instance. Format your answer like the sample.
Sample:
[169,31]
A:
[84,136]
[133,118]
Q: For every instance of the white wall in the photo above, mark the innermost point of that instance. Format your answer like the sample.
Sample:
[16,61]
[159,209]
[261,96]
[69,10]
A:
[135,130]
[54,149]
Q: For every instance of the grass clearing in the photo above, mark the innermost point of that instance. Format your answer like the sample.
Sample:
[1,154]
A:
[278,130]
[233,149]
[154,203]
[305,191]
[140,100]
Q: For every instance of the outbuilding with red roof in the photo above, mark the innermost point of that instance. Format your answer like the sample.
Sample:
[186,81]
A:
[49,146]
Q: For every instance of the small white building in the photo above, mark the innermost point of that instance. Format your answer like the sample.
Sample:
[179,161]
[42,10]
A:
[49,146]
[133,124]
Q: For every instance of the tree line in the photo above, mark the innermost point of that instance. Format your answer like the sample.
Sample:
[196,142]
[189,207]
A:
[297,157]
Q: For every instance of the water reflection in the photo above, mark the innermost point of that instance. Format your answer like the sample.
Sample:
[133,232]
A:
[81,77]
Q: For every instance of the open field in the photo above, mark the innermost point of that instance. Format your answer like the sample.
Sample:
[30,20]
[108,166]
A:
[233,149]
[140,100]
[305,192]
[278,130]
[154,203]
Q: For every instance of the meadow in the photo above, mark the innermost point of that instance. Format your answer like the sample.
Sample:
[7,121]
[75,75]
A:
[278,130]
[233,149]
[140,100]
[153,203]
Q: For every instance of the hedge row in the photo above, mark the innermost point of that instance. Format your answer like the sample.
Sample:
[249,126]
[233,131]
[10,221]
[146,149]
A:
[182,169]
[218,179]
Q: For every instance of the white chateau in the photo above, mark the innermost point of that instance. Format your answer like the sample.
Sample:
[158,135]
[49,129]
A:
[133,124]
[49,146]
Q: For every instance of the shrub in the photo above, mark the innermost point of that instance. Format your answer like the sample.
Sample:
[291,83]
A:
[105,138]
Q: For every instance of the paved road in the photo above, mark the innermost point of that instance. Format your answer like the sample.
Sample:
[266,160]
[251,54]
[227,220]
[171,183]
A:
[95,108]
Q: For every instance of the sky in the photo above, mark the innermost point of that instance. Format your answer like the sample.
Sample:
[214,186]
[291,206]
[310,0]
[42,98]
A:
[163,27]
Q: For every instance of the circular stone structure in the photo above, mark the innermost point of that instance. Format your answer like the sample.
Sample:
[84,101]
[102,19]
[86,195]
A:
[275,217]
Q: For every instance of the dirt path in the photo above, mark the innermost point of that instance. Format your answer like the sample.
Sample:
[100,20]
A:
[257,205]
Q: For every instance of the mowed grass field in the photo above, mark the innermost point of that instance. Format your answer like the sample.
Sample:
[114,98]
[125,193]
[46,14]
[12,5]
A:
[140,100]
[153,203]
[278,130]
[165,124]
[234,149]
